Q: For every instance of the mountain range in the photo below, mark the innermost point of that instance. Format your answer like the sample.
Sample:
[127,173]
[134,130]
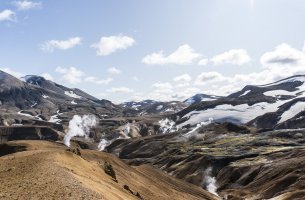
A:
[247,145]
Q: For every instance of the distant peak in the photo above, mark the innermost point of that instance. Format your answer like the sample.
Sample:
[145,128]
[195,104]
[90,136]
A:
[300,78]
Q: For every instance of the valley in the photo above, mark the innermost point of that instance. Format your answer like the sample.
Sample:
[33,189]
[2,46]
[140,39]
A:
[248,145]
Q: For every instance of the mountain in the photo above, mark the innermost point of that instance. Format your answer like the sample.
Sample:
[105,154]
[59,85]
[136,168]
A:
[35,98]
[151,107]
[199,98]
[135,104]
[248,145]
[277,105]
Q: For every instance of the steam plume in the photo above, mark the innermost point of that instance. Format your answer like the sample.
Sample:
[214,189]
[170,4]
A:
[103,144]
[79,126]
[209,181]
[167,126]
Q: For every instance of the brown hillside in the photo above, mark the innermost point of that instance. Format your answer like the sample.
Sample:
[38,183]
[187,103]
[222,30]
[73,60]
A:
[45,170]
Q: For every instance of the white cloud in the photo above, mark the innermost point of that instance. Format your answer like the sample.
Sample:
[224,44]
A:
[180,85]
[70,75]
[102,95]
[209,77]
[160,87]
[233,56]
[238,81]
[161,91]
[47,76]
[281,63]
[90,79]
[49,46]
[93,79]
[184,55]
[12,72]
[178,95]
[120,90]
[135,78]
[27,5]
[111,44]
[7,15]
[283,55]
[276,67]
[114,70]
[104,81]
[203,61]
[181,95]
[183,78]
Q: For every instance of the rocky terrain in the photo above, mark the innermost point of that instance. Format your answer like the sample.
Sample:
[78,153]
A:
[248,145]
[277,105]
[35,98]
[232,161]
[46,170]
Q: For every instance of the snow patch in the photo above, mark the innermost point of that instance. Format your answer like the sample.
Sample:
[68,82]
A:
[242,113]
[201,124]
[293,111]
[28,115]
[35,104]
[207,99]
[245,93]
[159,107]
[277,93]
[169,110]
[54,118]
[72,94]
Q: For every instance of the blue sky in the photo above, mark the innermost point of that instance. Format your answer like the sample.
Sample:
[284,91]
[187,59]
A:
[163,50]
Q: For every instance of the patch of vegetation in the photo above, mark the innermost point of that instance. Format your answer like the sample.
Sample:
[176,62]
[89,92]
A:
[76,151]
[137,194]
[108,169]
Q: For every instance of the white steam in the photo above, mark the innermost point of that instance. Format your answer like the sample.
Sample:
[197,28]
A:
[167,126]
[103,144]
[209,181]
[127,128]
[79,126]
[126,131]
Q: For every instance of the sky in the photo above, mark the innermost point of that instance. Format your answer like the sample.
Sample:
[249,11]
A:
[162,49]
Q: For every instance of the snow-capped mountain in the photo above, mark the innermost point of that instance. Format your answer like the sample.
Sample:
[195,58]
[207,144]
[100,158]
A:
[60,89]
[148,107]
[34,97]
[137,104]
[199,98]
[276,105]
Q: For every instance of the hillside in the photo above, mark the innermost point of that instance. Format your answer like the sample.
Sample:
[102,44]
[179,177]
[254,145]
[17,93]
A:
[276,105]
[46,170]
[39,99]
